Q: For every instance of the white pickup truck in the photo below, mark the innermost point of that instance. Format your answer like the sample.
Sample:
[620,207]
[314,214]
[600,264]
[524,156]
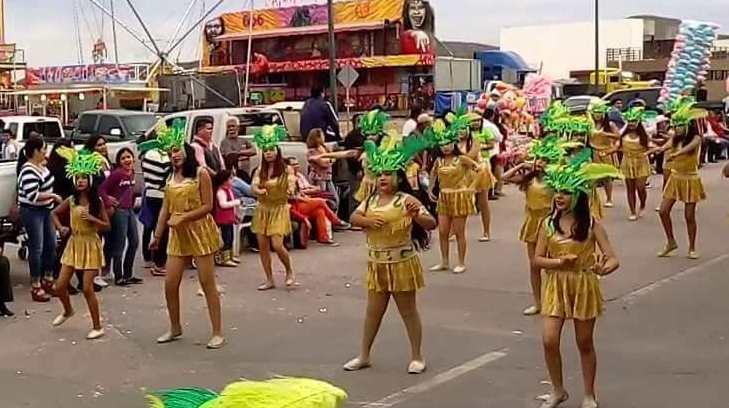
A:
[22,127]
[251,120]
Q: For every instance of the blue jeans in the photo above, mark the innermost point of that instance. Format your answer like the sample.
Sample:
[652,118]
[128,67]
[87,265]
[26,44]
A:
[242,191]
[123,233]
[41,241]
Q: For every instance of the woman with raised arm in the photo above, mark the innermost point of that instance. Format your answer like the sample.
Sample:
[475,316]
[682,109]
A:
[529,176]
[395,223]
[187,211]
[83,252]
[684,183]
[574,250]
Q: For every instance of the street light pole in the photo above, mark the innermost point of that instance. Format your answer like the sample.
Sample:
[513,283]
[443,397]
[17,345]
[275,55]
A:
[332,56]
[597,45]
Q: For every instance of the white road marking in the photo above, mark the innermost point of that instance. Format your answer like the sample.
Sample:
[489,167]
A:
[631,296]
[442,378]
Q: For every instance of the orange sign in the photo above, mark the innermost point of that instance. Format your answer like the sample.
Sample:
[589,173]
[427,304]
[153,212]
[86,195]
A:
[345,12]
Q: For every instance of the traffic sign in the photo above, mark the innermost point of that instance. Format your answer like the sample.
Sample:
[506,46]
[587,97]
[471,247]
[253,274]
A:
[348,76]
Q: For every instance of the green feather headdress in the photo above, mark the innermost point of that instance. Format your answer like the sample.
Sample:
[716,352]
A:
[638,114]
[553,119]
[683,111]
[168,138]
[81,163]
[394,152]
[577,125]
[461,120]
[440,134]
[373,122]
[599,107]
[268,137]
[579,174]
[279,392]
[552,149]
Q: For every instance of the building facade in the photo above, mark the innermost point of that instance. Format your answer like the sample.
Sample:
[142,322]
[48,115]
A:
[389,42]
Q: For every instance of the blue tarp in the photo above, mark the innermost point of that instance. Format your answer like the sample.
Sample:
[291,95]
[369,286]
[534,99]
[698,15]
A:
[445,101]
[504,59]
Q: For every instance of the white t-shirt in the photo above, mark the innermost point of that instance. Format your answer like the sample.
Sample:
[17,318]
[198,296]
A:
[487,124]
[11,150]
[409,127]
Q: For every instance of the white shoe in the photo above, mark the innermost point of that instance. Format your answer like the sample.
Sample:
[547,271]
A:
[609,204]
[95,334]
[439,268]
[168,338]
[60,319]
[589,402]
[553,401]
[531,311]
[459,269]
[356,364]
[100,281]
[416,367]
[216,342]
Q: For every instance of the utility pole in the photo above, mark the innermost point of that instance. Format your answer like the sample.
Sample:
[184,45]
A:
[332,56]
[113,31]
[597,45]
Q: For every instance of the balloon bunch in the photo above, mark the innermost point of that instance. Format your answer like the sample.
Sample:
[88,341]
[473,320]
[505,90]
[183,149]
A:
[511,104]
[690,60]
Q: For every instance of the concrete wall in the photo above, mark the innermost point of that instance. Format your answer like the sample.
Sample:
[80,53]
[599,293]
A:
[569,47]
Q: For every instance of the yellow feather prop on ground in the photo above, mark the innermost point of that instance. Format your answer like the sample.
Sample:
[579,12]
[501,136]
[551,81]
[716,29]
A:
[274,393]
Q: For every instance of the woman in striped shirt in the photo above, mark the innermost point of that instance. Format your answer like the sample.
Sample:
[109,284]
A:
[36,199]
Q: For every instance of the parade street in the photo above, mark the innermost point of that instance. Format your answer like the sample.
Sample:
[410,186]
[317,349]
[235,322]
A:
[662,342]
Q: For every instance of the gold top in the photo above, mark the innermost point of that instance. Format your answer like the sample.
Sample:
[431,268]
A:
[685,164]
[453,175]
[558,246]
[277,191]
[632,148]
[79,226]
[398,224]
[538,196]
[601,141]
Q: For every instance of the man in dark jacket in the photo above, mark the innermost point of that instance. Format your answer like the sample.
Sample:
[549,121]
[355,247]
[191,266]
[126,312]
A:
[319,114]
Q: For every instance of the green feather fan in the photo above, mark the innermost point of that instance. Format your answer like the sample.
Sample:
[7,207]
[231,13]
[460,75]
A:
[192,397]
[275,393]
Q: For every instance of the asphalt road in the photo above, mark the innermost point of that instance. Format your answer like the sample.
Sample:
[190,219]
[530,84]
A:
[662,342]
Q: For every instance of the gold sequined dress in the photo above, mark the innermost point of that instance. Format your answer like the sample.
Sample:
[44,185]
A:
[194,238]
[538,206]
[84,251]
[572,293]
[272,215]
[684,183]
[635,164]
[393,264]
[601,143]
[457,196]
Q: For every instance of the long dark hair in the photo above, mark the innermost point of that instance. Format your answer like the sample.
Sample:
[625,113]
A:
[279,167]
[642,134]
[92,195]
[418,234]
[583,220]
[117,161]
[189,166]
[603,124]
[90,144]
[691,132]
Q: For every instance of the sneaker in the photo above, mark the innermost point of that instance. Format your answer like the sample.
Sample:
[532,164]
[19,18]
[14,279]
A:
[135,281]
[98,280]
[121,282]
[342,226]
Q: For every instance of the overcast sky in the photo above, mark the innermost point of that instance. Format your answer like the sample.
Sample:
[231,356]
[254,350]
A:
[45,28]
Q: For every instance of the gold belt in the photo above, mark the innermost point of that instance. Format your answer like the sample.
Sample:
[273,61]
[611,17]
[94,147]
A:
[391,255]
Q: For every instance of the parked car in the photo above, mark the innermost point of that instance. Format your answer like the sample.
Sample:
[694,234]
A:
[649,95]
[22,127]
[251,120]
[579,104]
[121,128]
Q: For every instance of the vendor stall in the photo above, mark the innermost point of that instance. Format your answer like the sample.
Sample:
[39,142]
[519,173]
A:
[389,42]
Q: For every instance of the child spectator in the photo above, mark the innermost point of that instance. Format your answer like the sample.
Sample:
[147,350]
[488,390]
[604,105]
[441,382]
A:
[225,214]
